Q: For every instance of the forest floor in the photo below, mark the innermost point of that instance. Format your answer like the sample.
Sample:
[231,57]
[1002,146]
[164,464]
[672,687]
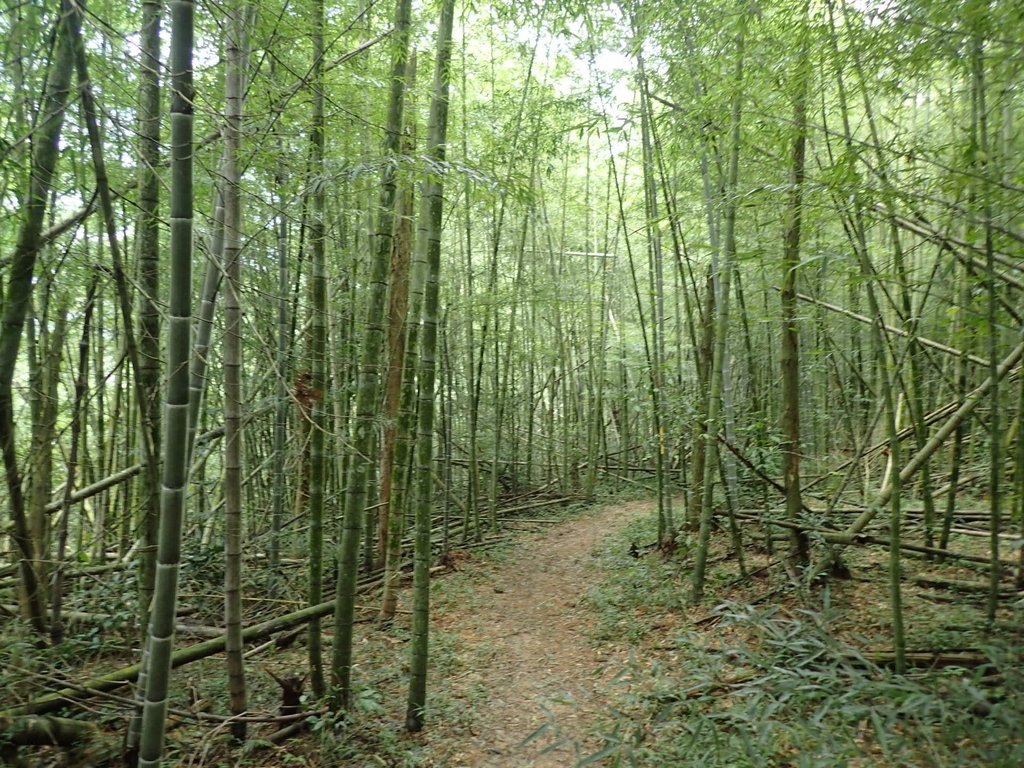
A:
[569,640]
[567,649]
[536,680]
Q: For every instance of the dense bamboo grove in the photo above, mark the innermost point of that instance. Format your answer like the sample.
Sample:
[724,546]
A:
[349,278]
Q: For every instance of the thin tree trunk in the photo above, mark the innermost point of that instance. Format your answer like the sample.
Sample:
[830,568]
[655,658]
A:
[77,429]
[915,386]
[148,237]
[799,545]
[981,161]
[45,354]
[391,522]
[964,289]
[45,151]
[280,366]
[666,523]
[405,444]
[203,322]
[150,514]
[471,518]
[1018,485]
[888,373]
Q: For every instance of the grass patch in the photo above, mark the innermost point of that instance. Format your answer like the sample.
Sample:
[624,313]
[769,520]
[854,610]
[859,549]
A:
[636,590]
[776,686]
[792,695]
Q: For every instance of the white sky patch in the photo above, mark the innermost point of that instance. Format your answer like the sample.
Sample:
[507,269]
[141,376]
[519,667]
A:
[607,69]
[615,71]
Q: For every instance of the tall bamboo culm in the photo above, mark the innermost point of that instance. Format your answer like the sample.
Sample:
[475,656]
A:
[428,348]
[368,382]
[318,350]
[232,364]
[175,473]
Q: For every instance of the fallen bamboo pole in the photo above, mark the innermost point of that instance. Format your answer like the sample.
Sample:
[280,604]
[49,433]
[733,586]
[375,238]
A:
[844,539]
[102,683]
[113,680]
[98,487]
[35,731]
[970,403]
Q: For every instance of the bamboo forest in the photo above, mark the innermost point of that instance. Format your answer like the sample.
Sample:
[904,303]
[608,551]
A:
[550,383]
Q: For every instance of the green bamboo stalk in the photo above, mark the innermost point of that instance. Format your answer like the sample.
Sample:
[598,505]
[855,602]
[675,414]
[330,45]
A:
[471,516]
[369,375]
[914,388]
[980,138]
[682,286]
[148,245]
[656,363]
[789,359]
[447,387]
[596,420]
[887,373]
[1017,510]
[142,395]
[318,354]
[203,321]
[417,700]
[233,435]
[45,354]
[392,515]
[406,438]
[721,322]
[77,429]
[491,323]
[175,471]
[964,292]
[502,369]
[401,248]
[280,360]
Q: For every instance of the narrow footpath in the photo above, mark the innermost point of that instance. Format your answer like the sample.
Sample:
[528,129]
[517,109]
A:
[526,662]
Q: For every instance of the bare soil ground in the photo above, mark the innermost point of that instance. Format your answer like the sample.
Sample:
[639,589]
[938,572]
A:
[530,669]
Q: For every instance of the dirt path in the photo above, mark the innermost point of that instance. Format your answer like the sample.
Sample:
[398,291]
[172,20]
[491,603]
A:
[522,632]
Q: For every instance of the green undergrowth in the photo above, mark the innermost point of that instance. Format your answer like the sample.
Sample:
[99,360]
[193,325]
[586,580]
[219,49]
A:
[635,590]
[372,732]
[788,694]
[775,686]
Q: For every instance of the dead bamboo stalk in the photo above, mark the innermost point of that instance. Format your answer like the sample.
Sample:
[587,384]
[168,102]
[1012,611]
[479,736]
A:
[97,487]
[967,407]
